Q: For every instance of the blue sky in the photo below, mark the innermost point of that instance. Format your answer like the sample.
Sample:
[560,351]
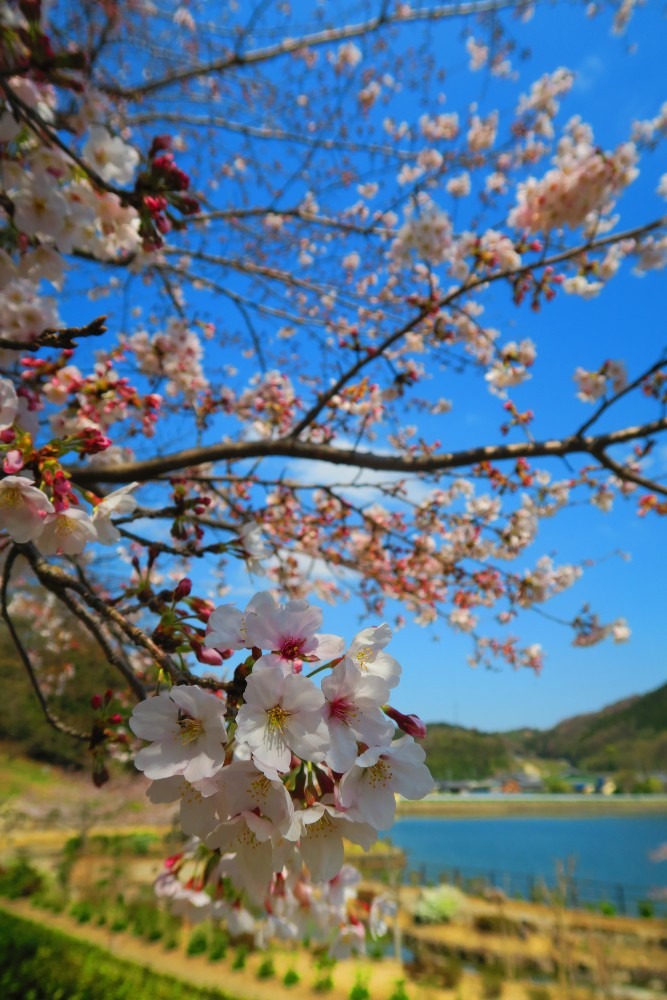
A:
[613,87]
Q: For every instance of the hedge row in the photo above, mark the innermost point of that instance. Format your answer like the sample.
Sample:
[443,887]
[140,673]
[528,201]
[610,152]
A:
[37,963]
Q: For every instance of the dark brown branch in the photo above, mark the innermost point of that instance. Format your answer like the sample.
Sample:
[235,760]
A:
[65,338]
[58,581]
[622,472]
[96,630]
[619,395]
[53,720]
[230,451]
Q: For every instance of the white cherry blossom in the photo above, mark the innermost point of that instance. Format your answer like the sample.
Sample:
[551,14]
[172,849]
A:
[8,404]
[119,502]
[186,727]
[366,653]
[321,829]
[353,713]
[290,632]
[66,532]
[22,508]
[367,791]
[113,159]
[282,715]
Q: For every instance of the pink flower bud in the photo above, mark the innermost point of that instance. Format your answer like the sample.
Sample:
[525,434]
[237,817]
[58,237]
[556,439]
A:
[13,462]
[183,589]
[159,143]
[205,654]
[410,724]
[96,701]
[7,436]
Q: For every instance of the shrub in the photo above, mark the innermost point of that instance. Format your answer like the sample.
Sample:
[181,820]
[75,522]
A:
[240,957]
[218,946]
[291,978]
[399,993]
[451,972]
[538,993]
[267,969]
[82,911]
[20,879]
[37,963]
[607,909]
[360,990]
[439,905]
[198,943]
[323,985]
[646,909]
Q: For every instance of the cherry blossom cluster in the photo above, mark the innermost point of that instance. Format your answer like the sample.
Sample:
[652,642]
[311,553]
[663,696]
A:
[584,180]
[275,772]
[175,354]
[294,908]
[428,233]
[593,385]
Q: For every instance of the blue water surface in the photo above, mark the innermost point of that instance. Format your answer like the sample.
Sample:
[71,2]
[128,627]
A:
[604,852]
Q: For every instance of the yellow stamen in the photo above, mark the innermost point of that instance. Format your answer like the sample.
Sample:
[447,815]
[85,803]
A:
[191,729]
[379,774]
[276,718]
[363,656]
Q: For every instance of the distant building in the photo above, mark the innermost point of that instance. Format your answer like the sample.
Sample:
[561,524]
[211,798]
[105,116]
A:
[605,786]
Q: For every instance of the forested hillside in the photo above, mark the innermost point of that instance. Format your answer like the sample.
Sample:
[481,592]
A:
[628,735]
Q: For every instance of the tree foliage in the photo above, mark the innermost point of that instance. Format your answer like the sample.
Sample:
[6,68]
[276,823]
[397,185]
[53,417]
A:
[304,254]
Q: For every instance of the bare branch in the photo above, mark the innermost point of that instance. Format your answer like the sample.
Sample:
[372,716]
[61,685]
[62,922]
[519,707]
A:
[234,451]
[239,59]
[65,338]
[619,395]
[58,581]
[624,473]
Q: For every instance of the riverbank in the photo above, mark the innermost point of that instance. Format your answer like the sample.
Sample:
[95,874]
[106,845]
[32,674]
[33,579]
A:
[485,805]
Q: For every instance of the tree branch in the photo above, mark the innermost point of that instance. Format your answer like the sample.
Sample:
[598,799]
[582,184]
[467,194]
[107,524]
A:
[238,59]
[235,451]
[65,338]
[59,582]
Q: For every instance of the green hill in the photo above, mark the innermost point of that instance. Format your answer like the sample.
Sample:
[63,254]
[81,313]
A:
[629,735]
[454,753]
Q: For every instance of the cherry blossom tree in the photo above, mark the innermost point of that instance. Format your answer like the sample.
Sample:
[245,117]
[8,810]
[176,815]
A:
[303,245]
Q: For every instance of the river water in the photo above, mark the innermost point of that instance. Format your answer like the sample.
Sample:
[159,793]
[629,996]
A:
[608,856]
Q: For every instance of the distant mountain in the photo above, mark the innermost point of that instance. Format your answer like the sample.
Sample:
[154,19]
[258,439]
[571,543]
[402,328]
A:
[629,735]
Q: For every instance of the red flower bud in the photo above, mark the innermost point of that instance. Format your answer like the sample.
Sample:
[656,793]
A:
[96,701]
[206,654]
[183,589]
[159,143]
[410,724]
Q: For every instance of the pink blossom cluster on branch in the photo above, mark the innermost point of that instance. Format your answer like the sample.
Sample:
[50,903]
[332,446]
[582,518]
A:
[304,283]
